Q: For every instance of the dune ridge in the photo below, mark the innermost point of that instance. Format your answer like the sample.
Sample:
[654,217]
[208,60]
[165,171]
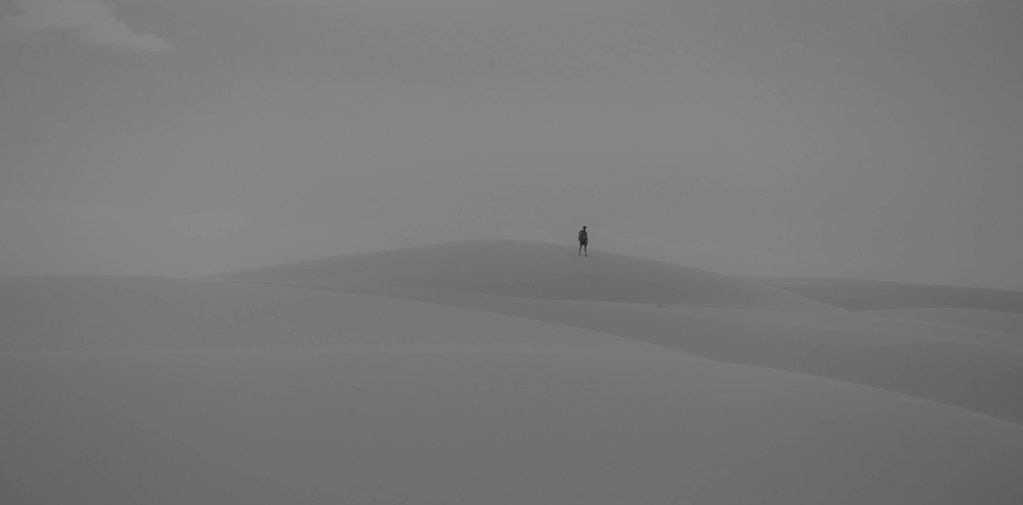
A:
[949,367]
[115,313]
[708,315]
[492,371]
[533,270]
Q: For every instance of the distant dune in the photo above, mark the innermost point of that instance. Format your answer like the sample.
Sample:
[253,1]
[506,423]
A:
[132,314]
[497,371]
[879,295]
[1009,323]
[534,270]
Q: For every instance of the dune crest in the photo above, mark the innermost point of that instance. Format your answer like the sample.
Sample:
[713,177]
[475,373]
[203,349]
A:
[957,367]
[534,270]
[600,380]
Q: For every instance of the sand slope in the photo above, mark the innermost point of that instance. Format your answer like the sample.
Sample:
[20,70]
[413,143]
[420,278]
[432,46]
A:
[957,367]
[534,270]
[880,295]
[484,426]
[1008,323]
[401,377]
[107,313]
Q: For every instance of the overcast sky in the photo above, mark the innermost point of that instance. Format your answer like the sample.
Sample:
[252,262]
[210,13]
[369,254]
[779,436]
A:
[850,138]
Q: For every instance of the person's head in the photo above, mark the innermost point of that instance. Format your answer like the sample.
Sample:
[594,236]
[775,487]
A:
[584,228]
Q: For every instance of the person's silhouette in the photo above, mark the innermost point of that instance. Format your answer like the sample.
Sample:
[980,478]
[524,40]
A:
[584,240]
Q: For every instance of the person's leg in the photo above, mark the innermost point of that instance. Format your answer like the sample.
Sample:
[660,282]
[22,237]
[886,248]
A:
[580,253]
[586,250]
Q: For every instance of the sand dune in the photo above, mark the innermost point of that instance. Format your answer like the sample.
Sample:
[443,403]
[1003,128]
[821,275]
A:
[534,270]
[101,313]
[484,426]
[487,372]
[880,295]
[988,320]
[963,368]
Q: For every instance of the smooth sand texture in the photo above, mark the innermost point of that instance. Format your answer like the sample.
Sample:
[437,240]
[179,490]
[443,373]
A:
[902,356]
[1008,323]
[297,389]
[469,427]
[535,270]
[879,295]
[69,313]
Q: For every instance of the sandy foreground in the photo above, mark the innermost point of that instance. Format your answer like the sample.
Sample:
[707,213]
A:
[499,372]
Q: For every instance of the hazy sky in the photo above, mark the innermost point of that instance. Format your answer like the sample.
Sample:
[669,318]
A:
[853,138]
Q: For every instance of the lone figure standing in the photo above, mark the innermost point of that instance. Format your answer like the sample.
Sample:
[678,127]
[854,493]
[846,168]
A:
[584,240]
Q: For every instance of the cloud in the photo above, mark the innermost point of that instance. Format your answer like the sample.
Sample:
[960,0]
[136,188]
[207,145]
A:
[92,19]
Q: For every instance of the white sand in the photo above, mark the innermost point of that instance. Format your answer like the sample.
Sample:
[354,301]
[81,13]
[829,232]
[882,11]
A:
[961,369]
[462,426]
[62,313]
[880,295]
[535,270]
[430,385]
[1009,323]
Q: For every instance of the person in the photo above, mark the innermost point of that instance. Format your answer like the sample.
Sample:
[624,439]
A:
[584,240]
